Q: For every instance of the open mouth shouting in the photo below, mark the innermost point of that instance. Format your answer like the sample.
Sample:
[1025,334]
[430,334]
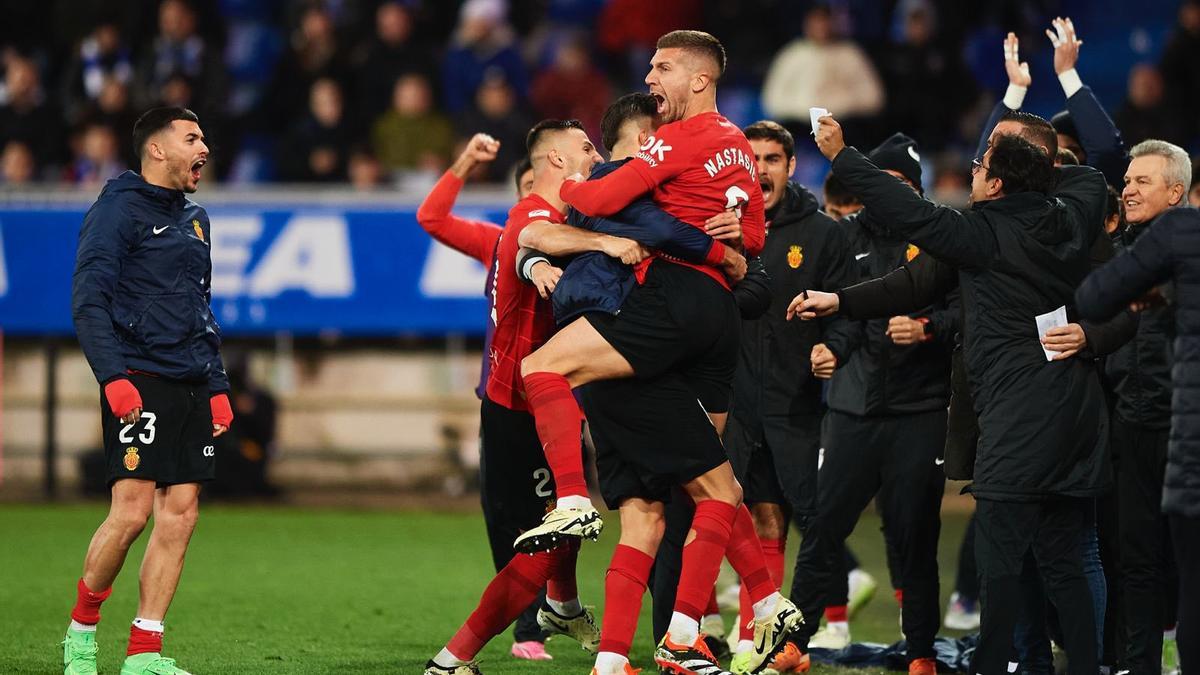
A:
[196,167]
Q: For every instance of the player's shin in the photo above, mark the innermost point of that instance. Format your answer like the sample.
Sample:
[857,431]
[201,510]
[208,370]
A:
[558,420]
[624,586]
[702,556]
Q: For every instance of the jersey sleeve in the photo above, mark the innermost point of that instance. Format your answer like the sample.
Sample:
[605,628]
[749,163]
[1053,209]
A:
[474,238]
[663,156]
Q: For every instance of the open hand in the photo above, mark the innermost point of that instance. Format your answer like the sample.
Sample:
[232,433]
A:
[726,227]
[1018,70]
[1066,44]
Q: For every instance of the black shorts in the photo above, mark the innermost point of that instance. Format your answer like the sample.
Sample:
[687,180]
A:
[678,320]
[516,486]
[650,436]
[172,443]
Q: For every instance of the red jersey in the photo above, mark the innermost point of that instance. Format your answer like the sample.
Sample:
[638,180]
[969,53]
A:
[523,321]
[696,168]
[475,238]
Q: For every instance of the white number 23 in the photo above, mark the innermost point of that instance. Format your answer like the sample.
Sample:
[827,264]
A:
[147,435]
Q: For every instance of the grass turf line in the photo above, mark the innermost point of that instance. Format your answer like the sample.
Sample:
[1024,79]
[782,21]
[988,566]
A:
[280,590]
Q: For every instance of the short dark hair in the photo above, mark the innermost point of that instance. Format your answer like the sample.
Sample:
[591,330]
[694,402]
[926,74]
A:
[837,192]
[1112,205]
[1021,165]
[628,107]
[155,120]
[548,126]
[1066,158]
[696,41]
[1035,129]
[519,170]
[768,130]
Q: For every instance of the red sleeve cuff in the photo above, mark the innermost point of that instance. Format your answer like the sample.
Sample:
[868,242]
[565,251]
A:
[716,254]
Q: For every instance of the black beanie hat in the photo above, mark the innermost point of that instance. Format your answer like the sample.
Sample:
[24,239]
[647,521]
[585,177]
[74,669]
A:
[899,153]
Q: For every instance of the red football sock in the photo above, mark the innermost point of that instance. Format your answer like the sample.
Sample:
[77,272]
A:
[558,420]
[773,556]
[711,525]
[87,604]
[837,613]
[713,607]
[745,554]
[624,586]
[560,587]
[509,593]
[745,613]
[144,641]
[900,596]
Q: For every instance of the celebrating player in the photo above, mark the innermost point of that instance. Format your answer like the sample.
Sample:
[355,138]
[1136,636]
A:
[140,300]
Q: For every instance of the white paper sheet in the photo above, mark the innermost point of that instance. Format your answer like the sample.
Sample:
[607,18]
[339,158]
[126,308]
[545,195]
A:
[1047,321]
[815,114]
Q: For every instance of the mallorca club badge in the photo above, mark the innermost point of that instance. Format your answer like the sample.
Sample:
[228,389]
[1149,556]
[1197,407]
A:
[196,227]
[131,459]
[795,257]
[911,252]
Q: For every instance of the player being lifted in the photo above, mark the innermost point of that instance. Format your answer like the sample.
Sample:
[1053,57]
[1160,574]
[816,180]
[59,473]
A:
[696,164]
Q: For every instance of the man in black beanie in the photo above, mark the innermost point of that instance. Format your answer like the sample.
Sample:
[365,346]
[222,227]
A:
[885,431]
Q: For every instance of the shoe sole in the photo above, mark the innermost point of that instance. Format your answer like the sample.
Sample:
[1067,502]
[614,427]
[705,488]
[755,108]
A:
[548,541]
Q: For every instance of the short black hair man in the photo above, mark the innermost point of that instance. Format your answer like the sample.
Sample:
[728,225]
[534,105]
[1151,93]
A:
[164,388]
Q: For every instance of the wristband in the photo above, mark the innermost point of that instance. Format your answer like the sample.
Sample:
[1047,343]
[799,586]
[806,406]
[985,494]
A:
[1069,79]
[716,253]
[1014,96]
[526,271]
[122,396]
[222,413]
[927,333]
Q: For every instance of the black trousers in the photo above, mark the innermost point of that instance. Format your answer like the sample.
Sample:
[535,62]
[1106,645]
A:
[966,581]
[895,459]
[1007,531]
[1147,568]
[664,576]
[1185,533]
[514,485]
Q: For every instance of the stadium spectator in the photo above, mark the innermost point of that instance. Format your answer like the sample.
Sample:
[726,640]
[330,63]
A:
[96,158]
[412,135]
[391,52]
[1147,112]
[839,201]
[315,148]
[1180,64]
[101,61]
[823,70]
[631,42]
[496,113]
[916,71]
[111,108]
[364,170]
[483,40]
[572,88]
[25,114]
[17,165]
[179,50]
[314,53]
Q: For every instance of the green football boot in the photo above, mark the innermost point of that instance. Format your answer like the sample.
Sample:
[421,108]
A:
[79,652]
[151,663]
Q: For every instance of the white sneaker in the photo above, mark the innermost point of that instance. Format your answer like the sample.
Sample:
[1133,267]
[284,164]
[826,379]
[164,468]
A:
[471,668]
[835,635]
[581,628]
[770,634]
[961,614]
[558,526]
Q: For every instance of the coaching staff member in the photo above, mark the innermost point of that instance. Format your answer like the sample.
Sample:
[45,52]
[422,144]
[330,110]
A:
[140,300]
[1043,425]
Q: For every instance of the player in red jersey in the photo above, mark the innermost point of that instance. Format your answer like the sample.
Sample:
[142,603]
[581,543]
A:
[523,320]
[679,317]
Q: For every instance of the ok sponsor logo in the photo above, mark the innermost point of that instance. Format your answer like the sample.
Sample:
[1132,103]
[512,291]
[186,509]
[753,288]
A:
[654,150]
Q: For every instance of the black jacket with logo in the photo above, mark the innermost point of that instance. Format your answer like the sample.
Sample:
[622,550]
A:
[804,249]
[881,377]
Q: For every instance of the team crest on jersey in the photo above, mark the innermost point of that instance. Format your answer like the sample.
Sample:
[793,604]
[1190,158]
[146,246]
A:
[196,227]
[131,459]
[911,252]
[795,257]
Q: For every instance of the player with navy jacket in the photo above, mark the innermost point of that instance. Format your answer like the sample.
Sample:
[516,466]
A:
[140,299]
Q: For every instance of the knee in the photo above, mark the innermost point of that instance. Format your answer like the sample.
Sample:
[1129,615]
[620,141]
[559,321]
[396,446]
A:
[644,533]
[179,521]
[129,525]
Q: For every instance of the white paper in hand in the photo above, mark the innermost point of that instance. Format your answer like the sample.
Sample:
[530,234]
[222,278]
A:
[815,114]
[1047,321]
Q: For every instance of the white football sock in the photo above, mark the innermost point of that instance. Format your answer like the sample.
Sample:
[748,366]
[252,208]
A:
[447,660]
[573,502]
[147,624]
[610,663]
[83,627]
[683,629]
[744,646]
[766,607]
[565,608]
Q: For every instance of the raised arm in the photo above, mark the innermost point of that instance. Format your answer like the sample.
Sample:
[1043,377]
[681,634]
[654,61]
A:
[1018,84]
[474,238]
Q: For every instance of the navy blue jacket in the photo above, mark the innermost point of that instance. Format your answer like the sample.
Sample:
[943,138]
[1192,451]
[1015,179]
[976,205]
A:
[1098,135]
[595,282]
[1169,250]
[140,294]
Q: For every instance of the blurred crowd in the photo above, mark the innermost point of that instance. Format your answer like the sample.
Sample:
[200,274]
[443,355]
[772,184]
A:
[384,92]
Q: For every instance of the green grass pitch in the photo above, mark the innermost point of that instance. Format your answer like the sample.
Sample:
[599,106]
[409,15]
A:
[287,590]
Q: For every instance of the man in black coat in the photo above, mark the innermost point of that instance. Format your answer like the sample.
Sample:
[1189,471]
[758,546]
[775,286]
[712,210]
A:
[1145,434]
[1043,425]
[774,432]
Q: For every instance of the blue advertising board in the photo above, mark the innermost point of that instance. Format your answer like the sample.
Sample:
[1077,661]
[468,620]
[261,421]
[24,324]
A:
[357,271]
